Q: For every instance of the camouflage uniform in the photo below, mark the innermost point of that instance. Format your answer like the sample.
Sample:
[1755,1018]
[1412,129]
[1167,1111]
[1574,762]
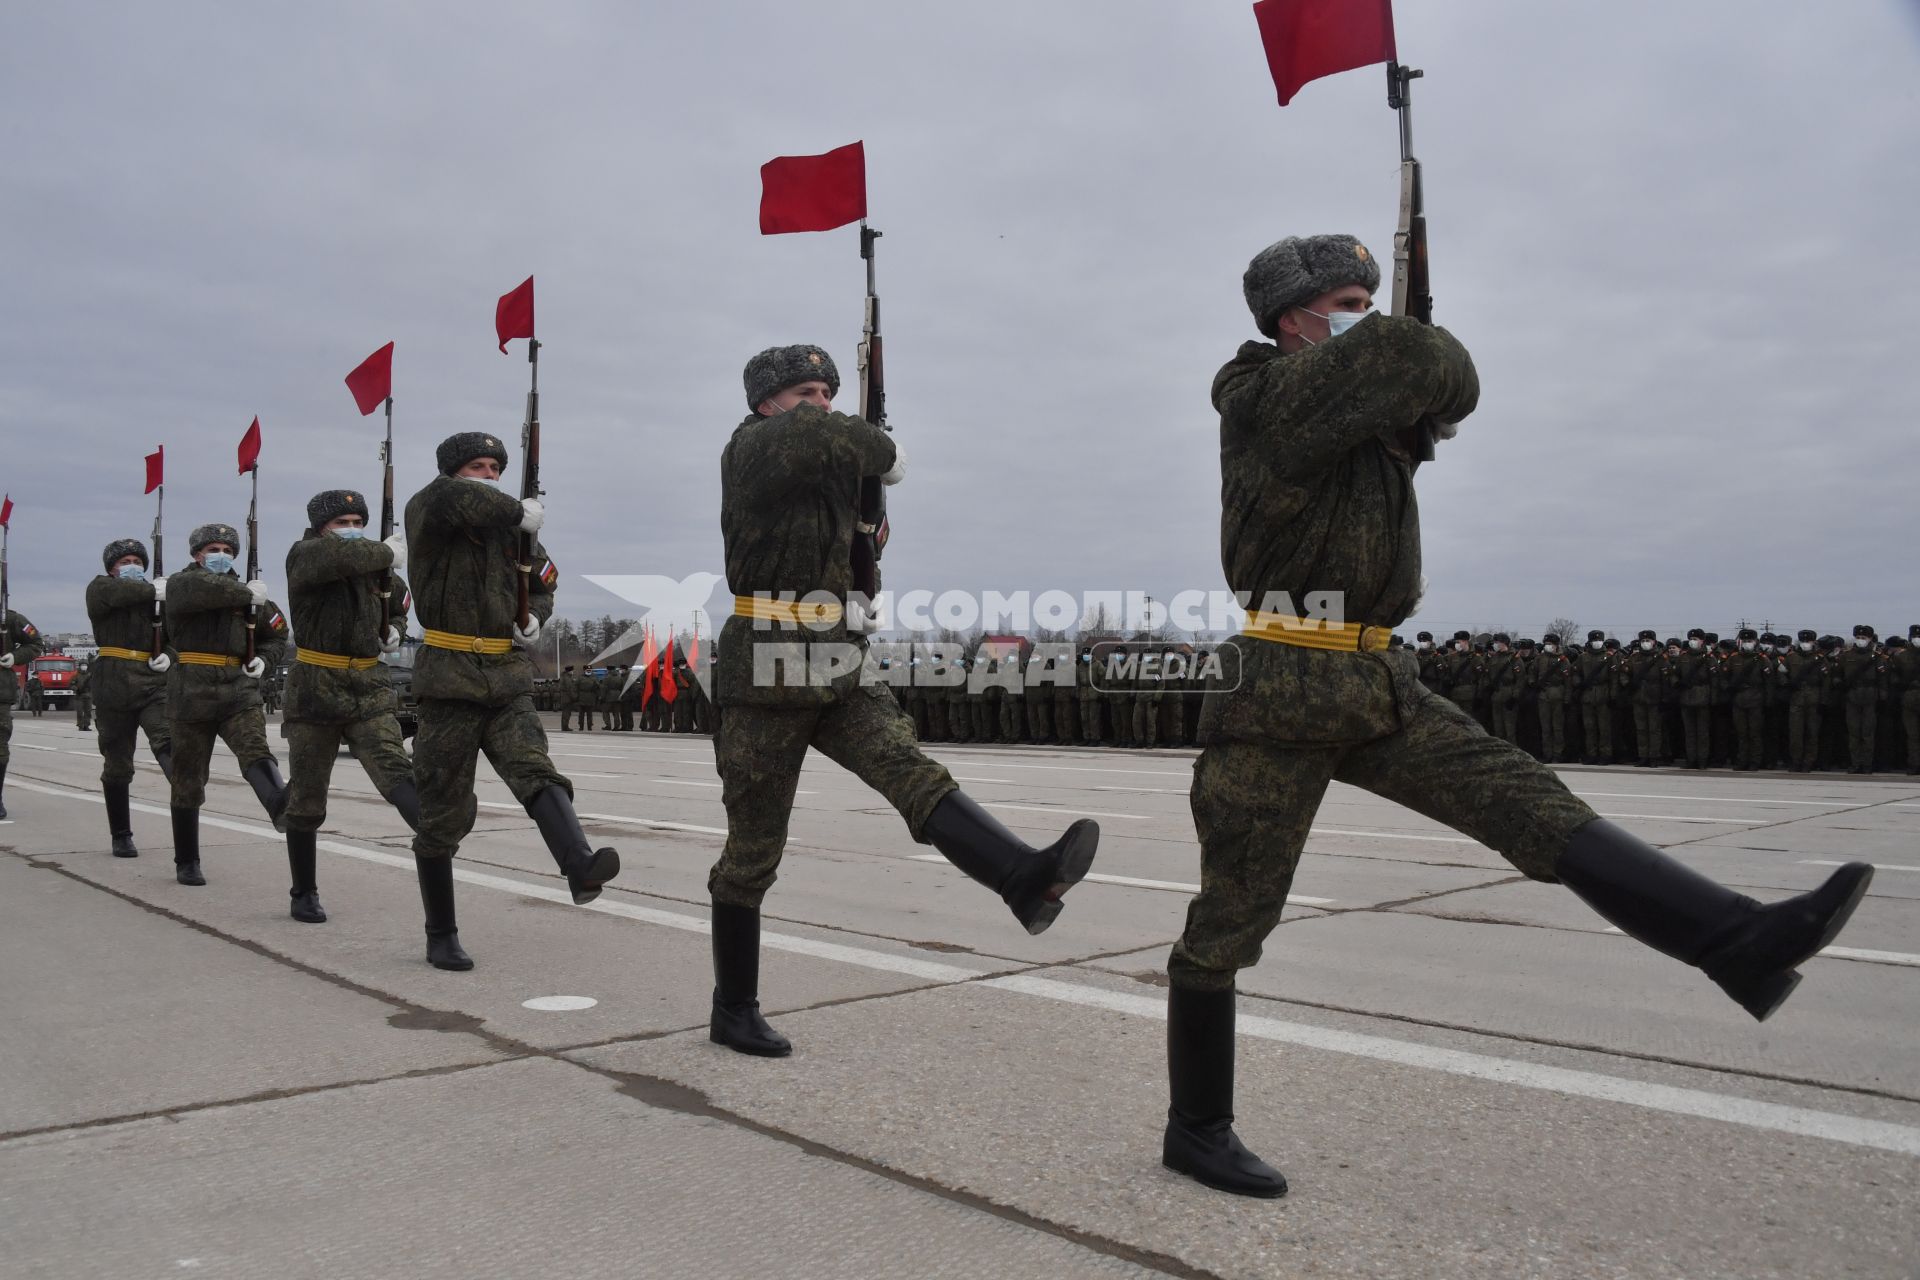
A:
[1904,669]
[1091,709]
[462,543]
[568,697]
[1557,679]
[83,697]
[1508,679]
[334,585]
[1696,669]
[207,614]
[19,638]
[1646,678]
[129,697]
[1317,495]
[1599,673]
[1806,680]
[789,494]
[1863,673]
[1748,675]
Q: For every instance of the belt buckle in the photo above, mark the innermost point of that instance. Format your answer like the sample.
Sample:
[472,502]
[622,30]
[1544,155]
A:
[473,645]
[1368,634]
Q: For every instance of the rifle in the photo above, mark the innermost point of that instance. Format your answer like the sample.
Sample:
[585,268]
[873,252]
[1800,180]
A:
[253,554]
[386,513]
[871,530]
[530,476]
[159,642]
[1412,293]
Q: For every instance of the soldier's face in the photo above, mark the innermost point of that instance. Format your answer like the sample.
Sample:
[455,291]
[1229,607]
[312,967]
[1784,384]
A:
[350,521]
[1300,325]
[211,549]
[124,561]
[480,469]
[815,393]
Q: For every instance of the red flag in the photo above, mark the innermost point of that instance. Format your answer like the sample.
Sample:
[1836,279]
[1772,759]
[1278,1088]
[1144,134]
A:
[372,382]
[646,665]
[6,511]
[1307,39]
[669,687]
[813,193]
[250,448]
[693,651]
[513,315]
[156,468]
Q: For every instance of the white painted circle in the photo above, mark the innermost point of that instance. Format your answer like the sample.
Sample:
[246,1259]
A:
[559,1004]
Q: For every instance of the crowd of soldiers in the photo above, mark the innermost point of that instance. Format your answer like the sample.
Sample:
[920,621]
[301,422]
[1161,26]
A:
[623,700]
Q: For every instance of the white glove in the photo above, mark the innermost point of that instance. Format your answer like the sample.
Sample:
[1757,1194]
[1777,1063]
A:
[159,662]
[159,588]
[899,469]
[258,590]
[254,667]
[398,545]
[532,515]
[1445,430]
[532,632]
[6,661]
[390,640]
[862,623]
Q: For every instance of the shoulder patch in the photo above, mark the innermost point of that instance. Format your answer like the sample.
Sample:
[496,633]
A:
[549,574]
[26,629]
[278,621]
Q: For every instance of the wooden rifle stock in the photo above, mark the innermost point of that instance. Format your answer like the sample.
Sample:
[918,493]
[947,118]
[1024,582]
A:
[530,477]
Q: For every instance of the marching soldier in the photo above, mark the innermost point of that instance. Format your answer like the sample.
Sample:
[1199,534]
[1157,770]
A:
[1904,667]
[213,688]
[130,692]
[1748,675]
[474,682]
[568,694]
[20,644]
[1863,673]
[790,481]
[83,696]
[1697,669]
[1557,682]
[1317,473]
[36,694]
[349,607]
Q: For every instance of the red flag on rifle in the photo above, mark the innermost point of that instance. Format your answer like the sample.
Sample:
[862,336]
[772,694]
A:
[669,689]
[372,382]
[156,468]
[1308,39]
[513,316]
[250,448]
[813,193]
[6,511]
[646,666]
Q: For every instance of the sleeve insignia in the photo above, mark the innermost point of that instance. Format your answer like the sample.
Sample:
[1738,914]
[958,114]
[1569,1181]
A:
[278,621]
[549,574]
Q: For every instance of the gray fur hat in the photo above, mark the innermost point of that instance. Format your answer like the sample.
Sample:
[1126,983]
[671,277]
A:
[334,503]
[777,368]
[213,533]
[462,447]
[1299,269]
[125,547]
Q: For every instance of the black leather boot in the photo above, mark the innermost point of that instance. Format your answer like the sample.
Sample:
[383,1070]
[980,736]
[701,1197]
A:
[3,789]
[1030,881]
[585,867]
[1200,1141]
[264,777]
[1749,949]
[736,1019]
[406,801]
[120,819]
[186,846]
[436,894]
[301,857]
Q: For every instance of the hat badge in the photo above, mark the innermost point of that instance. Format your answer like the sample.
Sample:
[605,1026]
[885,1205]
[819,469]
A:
[1360,252]
[813,357]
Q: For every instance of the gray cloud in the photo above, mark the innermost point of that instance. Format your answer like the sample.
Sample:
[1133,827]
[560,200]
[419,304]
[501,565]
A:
[1668,235]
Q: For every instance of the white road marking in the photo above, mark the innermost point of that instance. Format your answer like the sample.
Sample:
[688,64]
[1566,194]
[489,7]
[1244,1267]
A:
[1671,817]
[1878,866]
[34,746]
[1671,1099]
[1007,782]
[1653,817]
[1847,953]
[655,823]
[559,1004]
[1135,882]
[70,751]
[692,782]
[1388,835]
[1047,808]
[1076,768]
[1639,795]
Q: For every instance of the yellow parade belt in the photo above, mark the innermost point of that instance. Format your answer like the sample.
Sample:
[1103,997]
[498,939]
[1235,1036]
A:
[209,660]
[335,661]
[797,612]
[131,655]
[1311,633]
[467,644]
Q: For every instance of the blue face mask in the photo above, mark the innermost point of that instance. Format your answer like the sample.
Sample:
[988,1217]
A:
[218,562]
[132,573]
[1338,322]
[350,534]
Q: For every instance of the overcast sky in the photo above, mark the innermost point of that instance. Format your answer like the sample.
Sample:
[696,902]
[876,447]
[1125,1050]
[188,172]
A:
[1678,240]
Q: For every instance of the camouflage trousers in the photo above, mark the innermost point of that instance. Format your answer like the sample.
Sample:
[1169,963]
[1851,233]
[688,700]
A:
[1910,721]
[1696,726]
[83,711]
[6,725]
[446,751]
[118,733]
[376,743]
[1506,720]
[759,751]
[1596,723]
[1253,803]
[244,732]
[1803,732]
[1649,731]
[1553,727]
[1749,735]
[1863,717]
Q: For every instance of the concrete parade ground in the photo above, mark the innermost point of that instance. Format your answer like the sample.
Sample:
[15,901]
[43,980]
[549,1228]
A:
[1462,1073]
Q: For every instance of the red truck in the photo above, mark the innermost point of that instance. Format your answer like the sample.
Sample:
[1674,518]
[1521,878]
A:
[56,671]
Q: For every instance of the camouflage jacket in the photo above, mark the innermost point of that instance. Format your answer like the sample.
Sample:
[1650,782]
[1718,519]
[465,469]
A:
[333,585]
[21,639]
[1317,496]
[1808,675]
[1647,674]
[1556,676]
[207,613]
[1903,670]
[1508,676]
[121,613]
[463,549]
[1698,669]
[1597,674]
[1748,675]
[1863,672]
[789,500]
